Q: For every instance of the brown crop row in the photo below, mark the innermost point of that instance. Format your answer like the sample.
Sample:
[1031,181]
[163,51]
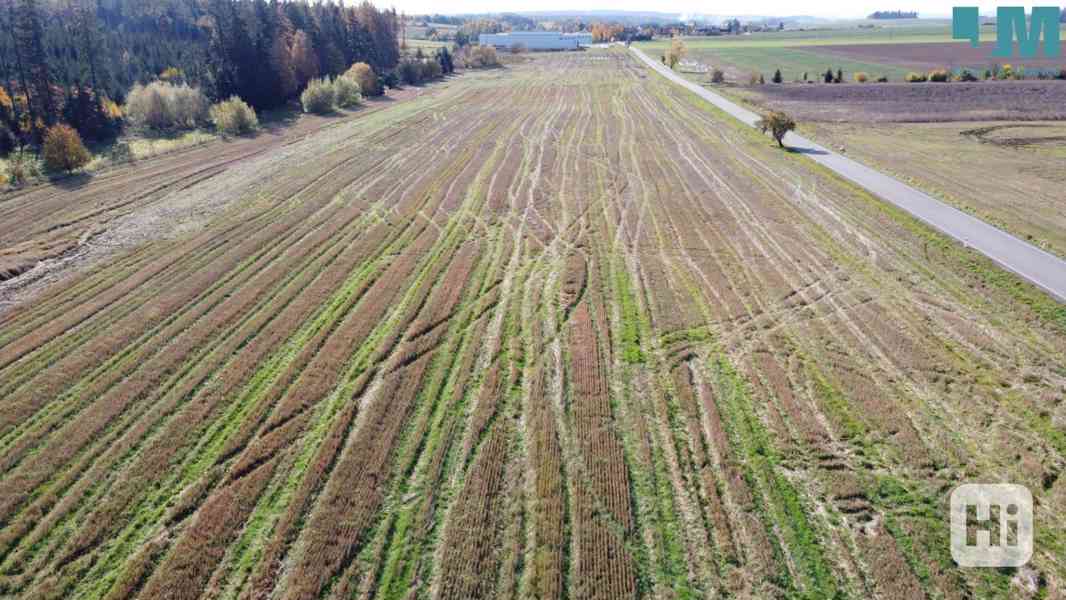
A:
[356,487]
[549,506]
[163,364]
[111,401]
[471,560]
[604,567]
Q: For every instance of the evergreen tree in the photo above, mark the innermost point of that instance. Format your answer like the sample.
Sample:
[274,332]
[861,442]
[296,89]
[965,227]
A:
[444,57]
[85,113]
[86,29]
[36,76]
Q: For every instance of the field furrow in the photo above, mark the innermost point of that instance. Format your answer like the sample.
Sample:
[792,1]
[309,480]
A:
[553,330]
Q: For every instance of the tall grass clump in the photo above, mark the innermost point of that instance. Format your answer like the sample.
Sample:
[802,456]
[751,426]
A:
[319,97]
[234,117]
[347,92]
[165,106]
[21,167]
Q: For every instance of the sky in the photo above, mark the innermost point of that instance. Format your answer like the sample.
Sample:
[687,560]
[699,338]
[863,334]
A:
[816,8]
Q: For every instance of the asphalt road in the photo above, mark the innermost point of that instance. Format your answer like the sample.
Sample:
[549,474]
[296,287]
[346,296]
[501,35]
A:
[1040,268]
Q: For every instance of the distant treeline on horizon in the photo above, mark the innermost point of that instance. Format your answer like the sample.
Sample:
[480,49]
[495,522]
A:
[894,14]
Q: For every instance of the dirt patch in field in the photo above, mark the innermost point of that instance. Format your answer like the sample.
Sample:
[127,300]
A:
[935,55]
[916,102]
[1019,135]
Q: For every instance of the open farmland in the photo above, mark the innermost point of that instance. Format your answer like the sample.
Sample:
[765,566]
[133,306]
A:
[903,31]
[554,330]
[1017,187]
[913,102]
[739,64]
[924,57]
[890,49]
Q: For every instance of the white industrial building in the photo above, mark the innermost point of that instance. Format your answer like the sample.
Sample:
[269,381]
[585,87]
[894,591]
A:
[536,40]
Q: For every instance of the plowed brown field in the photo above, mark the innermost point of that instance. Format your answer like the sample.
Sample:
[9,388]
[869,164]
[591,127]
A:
[558,330]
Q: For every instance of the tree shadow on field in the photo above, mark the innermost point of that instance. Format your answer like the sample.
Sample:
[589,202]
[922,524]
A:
[811,151]
[70,182]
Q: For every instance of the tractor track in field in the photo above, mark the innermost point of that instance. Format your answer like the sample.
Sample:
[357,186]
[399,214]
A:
[553,330]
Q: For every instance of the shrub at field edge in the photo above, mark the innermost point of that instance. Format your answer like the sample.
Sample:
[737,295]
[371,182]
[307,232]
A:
[319,97]
[63,149]
[164,106]
[234,117]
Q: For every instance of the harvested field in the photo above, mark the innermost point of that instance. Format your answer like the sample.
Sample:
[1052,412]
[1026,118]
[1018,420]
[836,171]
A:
[1018,182]
[915,102]
[55,229]
[928,56]
[738,64]
[554,330]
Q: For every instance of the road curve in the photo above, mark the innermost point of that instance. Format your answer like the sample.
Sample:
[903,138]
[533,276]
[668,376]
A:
[1040,268]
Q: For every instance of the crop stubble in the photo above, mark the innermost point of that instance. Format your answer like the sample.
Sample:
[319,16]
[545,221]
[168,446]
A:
[557,330]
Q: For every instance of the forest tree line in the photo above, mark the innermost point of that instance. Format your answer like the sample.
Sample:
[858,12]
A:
[75,61]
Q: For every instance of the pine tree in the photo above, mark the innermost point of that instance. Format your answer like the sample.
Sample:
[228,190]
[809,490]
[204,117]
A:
[86,30]
[33,65]
[232,56]
[265,86]
[84,110]
[444,57]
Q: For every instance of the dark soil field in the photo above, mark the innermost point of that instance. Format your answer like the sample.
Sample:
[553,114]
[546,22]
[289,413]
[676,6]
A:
[923,57]
[915,102]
